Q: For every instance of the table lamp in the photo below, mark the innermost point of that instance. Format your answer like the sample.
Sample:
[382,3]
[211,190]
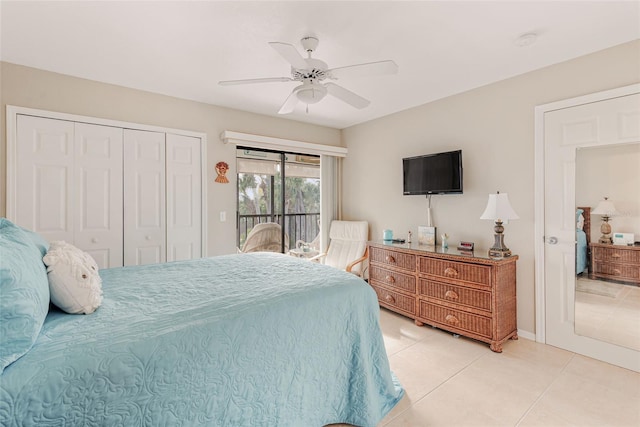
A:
[499,209]
[607,210]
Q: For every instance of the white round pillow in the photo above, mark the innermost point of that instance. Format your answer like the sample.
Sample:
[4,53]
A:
[74,282]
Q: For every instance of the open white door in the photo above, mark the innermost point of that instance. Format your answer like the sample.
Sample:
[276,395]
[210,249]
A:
[590,124]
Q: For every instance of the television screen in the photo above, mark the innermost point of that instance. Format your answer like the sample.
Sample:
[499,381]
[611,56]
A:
[439,173]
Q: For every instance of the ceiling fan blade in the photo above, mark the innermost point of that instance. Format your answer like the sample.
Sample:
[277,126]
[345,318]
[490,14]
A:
[346,95]
[249,81]
[289,104]
[290,54]
[368,69]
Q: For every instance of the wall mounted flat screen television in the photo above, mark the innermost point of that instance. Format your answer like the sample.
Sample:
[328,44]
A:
[439,173]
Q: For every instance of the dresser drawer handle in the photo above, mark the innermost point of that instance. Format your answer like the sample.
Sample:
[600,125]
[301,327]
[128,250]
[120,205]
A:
[452,319]
[615,255]
[617,272]
[450,272]
[390,259]
[451,294]
[390,299]
[390,279]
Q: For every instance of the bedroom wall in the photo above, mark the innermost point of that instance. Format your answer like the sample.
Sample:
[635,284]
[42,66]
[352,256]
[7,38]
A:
[33,88]
[613,172]
[494,127]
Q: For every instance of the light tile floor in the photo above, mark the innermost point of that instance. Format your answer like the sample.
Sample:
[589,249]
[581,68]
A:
[460,382]
[608,311]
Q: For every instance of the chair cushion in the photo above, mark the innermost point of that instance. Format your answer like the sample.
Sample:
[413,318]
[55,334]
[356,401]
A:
[348,243]
[349,230]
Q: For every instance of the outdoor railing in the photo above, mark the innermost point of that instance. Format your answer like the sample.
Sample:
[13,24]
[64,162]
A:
[302,226]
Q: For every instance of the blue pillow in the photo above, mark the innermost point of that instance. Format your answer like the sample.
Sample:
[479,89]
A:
[24,292]
[36,239]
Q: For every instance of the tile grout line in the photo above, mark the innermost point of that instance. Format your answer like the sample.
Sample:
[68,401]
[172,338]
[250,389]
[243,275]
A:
[544,392]
[438,386]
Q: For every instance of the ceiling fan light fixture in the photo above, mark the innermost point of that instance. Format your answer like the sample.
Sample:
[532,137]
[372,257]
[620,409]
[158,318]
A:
[311,93]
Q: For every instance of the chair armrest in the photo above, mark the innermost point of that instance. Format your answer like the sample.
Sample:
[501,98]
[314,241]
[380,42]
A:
[317,257]
[358,261]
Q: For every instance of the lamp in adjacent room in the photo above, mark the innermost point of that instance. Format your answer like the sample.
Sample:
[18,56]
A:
[607,210]
[499,209]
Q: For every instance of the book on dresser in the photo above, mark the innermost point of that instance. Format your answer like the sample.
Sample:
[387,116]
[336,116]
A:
[467,294]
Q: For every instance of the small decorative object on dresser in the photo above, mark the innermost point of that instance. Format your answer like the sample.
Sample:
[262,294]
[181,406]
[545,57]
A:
[474,296]
[615,262]
[426,235]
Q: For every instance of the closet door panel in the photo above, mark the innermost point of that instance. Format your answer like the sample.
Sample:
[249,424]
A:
[144,197]
[184,198]
[44,171]
[98,189]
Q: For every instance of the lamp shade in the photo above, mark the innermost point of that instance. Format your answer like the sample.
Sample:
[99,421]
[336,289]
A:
[605,208]
[498,207]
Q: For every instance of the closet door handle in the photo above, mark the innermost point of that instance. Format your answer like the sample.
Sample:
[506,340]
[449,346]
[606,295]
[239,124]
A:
[94,240]
[147,237]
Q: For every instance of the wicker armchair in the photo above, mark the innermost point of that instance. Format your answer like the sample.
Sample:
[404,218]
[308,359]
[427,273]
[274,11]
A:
[347,246]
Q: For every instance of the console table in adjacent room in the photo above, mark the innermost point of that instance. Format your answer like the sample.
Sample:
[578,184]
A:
[615,262]
[465,293]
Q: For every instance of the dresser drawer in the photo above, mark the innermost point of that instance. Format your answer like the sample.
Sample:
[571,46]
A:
[614,270]
[396,300]
[456,294]
[392,279]
[616,254]
[455,318]
[393,258]
[474,273]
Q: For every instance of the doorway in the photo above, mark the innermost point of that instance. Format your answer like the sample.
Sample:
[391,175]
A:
[277,190]
[610,118]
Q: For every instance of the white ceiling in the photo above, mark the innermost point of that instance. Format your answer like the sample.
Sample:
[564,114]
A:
[183,48]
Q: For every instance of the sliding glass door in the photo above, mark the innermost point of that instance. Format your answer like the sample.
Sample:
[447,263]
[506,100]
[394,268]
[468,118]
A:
[278,200]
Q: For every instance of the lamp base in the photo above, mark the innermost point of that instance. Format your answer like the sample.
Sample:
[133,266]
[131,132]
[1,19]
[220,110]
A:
[499,253]
[499,250]
[605,229]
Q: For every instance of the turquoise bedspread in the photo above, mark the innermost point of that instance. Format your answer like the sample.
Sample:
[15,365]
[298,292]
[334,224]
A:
[240,340]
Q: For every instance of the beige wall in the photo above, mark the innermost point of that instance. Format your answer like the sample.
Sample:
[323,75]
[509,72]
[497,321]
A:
[494,127]
[29,87]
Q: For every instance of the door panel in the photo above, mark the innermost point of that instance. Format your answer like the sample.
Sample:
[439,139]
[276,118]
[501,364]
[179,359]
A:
[144,197]
[44,169]
[608,122]
[98,189]
[184,198]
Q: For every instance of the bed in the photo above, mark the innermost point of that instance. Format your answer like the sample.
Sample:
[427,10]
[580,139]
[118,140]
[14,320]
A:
[256,339]
[583,233]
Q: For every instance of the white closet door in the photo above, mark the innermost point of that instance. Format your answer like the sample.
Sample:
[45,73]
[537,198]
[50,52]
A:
[98,193]
[184,198]
[144,197]
[44,171]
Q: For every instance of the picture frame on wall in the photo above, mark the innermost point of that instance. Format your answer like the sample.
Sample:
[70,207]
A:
[426,235]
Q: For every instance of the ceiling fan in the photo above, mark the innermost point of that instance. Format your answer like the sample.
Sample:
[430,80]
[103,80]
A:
[312,72]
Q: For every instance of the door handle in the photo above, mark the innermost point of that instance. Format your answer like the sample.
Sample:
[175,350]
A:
[552,240]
